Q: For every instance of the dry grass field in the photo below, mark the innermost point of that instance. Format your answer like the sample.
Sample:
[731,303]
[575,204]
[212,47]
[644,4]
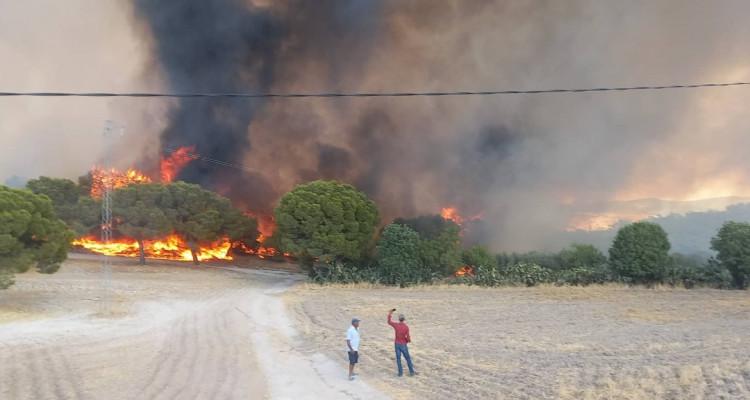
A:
[597,342]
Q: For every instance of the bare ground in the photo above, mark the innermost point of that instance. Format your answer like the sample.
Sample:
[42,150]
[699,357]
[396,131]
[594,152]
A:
[164,331]
[551,342]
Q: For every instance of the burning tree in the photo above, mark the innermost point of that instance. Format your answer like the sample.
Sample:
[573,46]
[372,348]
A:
[139,211]
[200,216]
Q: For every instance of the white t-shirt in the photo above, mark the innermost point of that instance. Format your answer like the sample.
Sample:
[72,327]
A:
[352,335]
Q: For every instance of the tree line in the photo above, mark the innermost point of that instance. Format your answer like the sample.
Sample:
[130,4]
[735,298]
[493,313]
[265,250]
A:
[334,228]
[334,231]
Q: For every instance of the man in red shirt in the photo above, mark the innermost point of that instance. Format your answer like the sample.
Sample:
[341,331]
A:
[402,340]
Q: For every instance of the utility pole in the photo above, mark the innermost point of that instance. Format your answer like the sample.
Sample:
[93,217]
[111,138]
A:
[110,129]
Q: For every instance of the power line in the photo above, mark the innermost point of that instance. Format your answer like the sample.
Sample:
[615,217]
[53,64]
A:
[196,156]
[367,94]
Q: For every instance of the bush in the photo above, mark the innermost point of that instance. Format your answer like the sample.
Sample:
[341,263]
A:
[550,261]
[341,272]
[484,276]
[398,257]
[440,243]
[526,274]
[583,256]
[732,244]
[640,253]
[583,276]
[477,256]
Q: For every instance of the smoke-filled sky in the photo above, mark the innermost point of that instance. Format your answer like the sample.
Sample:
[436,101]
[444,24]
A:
[528,163]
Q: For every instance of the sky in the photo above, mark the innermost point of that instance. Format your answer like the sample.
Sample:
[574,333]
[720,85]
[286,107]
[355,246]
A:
[528,164]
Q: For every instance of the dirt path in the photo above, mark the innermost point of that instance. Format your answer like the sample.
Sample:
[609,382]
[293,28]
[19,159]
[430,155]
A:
[221,338]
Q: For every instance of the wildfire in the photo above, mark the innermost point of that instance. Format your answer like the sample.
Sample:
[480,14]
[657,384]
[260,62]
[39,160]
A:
[465,271]
[101,178]
[170,167]
[452,214]
[171,247]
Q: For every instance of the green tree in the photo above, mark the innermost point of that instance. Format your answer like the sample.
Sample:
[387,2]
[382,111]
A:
[440,244]
[71,203]
[30,234]
[640,253]
[140,212]
[326,219]
[241,229]
[478,256]
[582,256]
[197,215]
[732,245]
[397,255]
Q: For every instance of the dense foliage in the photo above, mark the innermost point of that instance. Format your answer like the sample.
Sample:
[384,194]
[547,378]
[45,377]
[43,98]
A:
[71,202]
[640,253]
[440,242]
[732,244]
[140,210]
[201,216]
[326,220]
[30,234]
[398,256]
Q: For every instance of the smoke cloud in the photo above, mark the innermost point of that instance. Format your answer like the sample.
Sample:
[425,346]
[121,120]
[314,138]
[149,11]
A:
[529,164]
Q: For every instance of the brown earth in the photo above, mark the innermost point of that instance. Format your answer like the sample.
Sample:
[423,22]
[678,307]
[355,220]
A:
[550,342]
[163,331]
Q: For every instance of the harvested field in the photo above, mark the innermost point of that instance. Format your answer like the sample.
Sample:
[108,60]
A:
[549,342]
[164,331]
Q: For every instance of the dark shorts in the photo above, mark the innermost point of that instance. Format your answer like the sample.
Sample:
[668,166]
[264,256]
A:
[353,357]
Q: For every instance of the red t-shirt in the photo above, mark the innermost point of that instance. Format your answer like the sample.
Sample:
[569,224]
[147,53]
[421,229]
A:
[402,331]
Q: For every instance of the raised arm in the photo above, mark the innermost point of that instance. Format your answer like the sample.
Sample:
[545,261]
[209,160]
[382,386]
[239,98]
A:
[390,321]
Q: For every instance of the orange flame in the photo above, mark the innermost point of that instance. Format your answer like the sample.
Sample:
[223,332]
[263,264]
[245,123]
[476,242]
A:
[171,247]
[171,166]
[452,214]
[101,178]
[466,270]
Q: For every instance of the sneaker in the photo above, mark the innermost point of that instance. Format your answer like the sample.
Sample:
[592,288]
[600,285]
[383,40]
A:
[413,373]
[351,378]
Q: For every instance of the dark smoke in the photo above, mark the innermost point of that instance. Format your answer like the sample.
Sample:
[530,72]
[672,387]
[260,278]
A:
[528,164]
[234,46]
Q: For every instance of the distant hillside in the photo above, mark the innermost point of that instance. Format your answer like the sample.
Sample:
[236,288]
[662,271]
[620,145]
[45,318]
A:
[689,233]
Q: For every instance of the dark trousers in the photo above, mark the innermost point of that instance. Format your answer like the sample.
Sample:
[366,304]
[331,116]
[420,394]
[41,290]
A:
[403,349]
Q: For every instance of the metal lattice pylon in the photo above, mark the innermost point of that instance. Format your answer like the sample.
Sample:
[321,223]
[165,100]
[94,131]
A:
[106,222]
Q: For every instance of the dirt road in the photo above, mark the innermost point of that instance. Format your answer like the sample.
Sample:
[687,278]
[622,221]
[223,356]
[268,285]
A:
[162,333]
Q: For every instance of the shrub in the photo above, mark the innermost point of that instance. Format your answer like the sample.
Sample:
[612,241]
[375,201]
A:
[732,244]
[640,253]
[342,272]
[477,256]
[440,243]
[583,276]
[527,274]
[398,256]
[582,256]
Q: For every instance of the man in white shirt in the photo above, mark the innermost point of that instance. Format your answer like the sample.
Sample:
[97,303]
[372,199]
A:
[352,344]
